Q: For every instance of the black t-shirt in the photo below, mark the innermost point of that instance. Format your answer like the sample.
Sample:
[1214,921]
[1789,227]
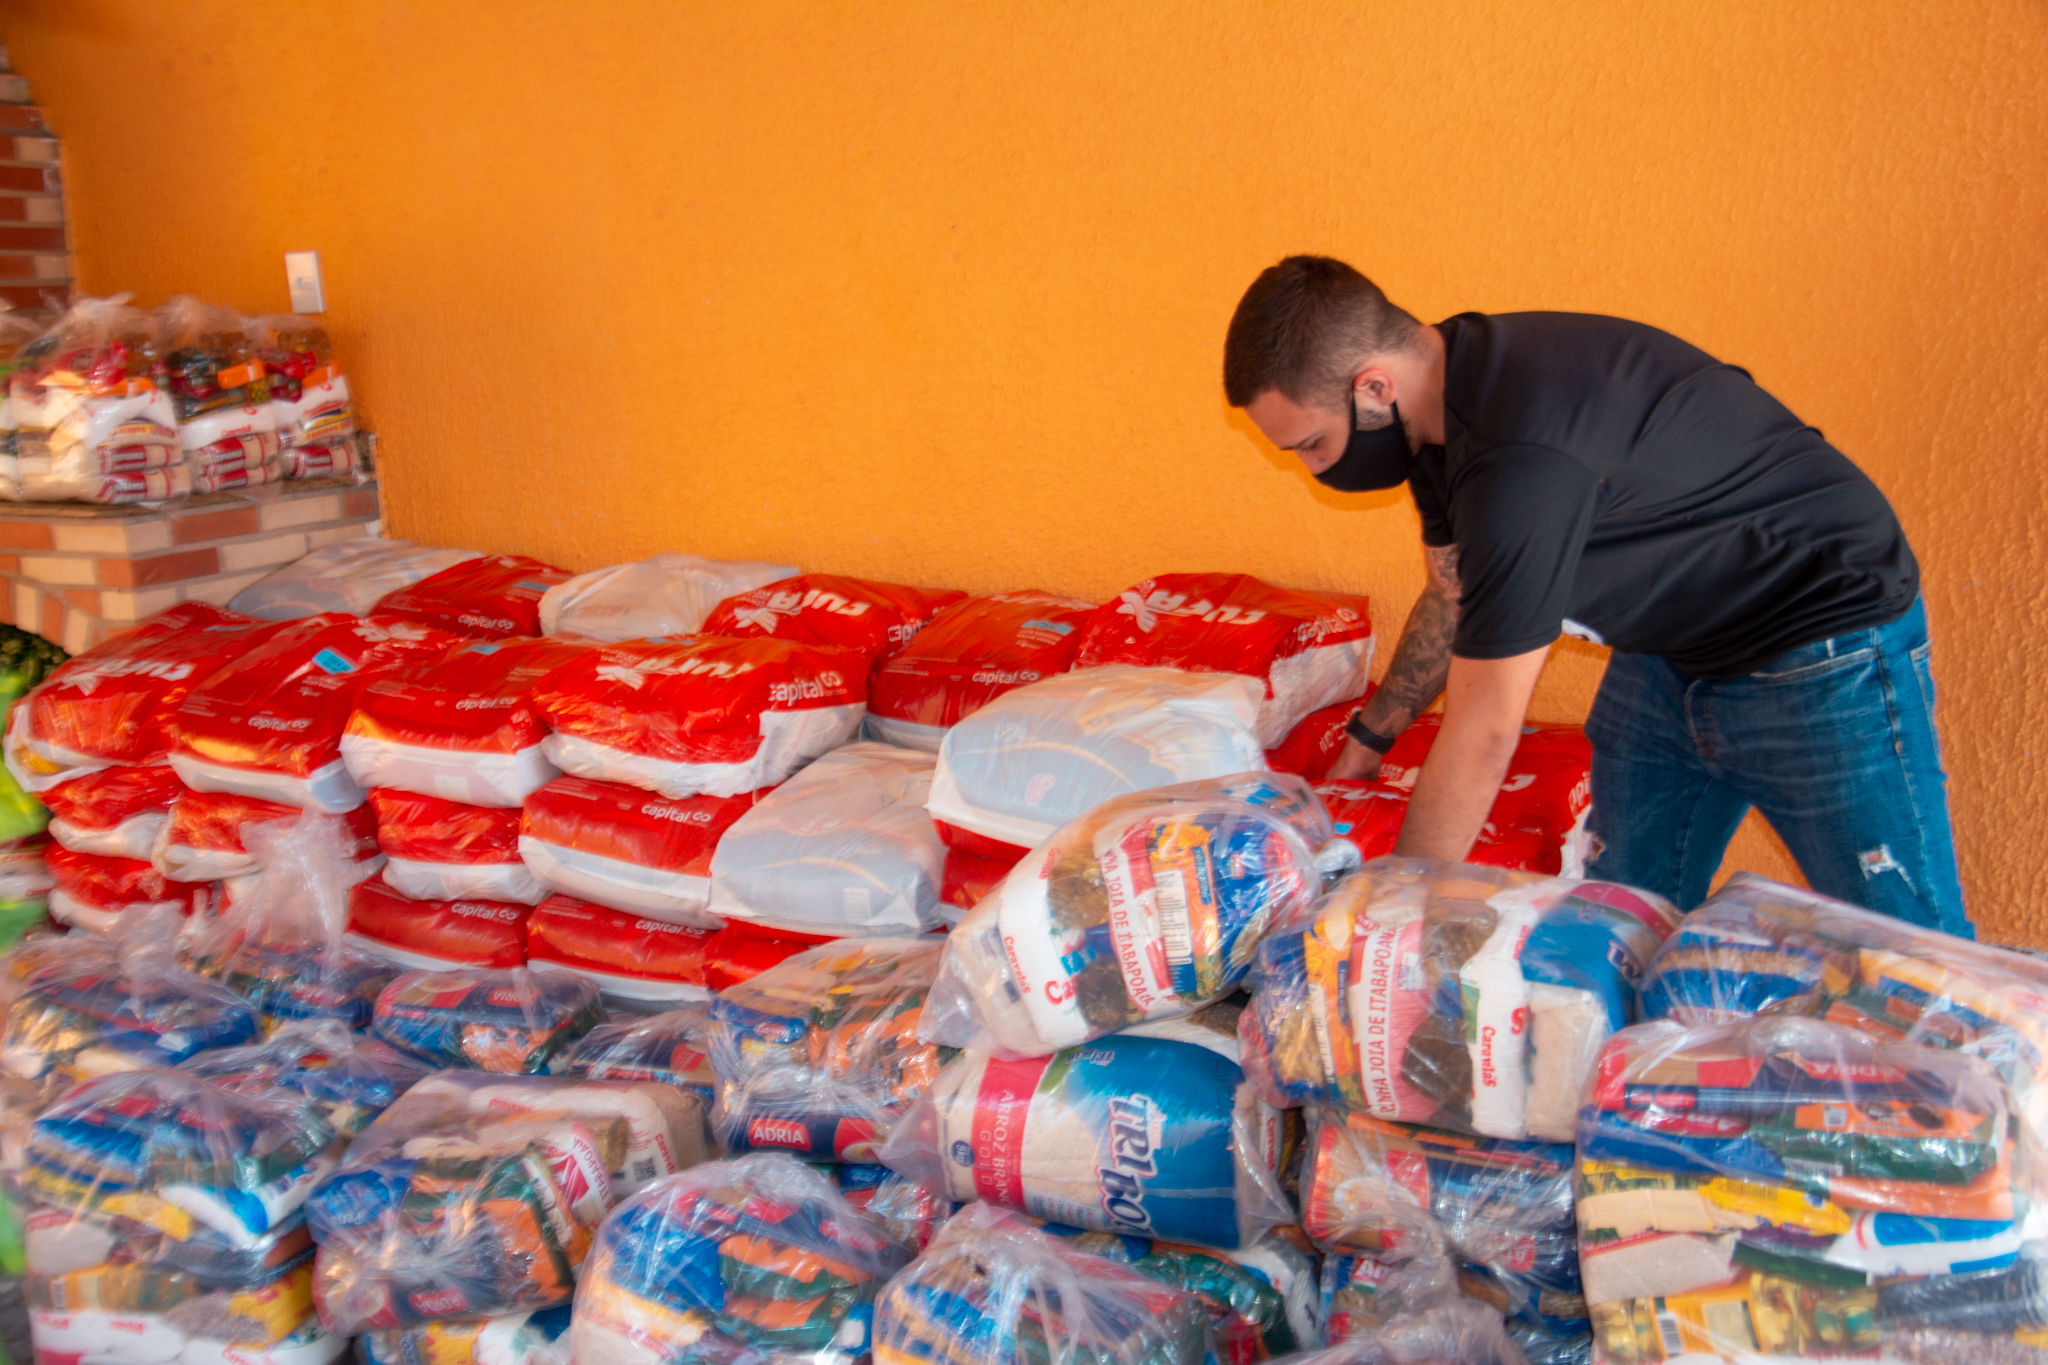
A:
[1604,478]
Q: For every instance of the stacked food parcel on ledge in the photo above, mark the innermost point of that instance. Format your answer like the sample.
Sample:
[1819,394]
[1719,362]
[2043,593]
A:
[450,958]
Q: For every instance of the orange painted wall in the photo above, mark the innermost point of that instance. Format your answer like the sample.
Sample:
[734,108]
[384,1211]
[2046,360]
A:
[936,291]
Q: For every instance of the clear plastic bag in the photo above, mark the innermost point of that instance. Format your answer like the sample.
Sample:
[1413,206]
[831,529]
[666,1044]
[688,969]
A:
[967,879]
[843,847]
[93,414]
[1148,907]
[873,619]
[347,576]
[164,1211]
[115,812]
[1759,947]
[625,848]
[1753,1188]
[667,1047]
[1456,1332]
[1463,997]
[1502,1210]
[632,958]
[1151,1131]
[515,1339]
[666,595]
[701,714]
[970,654]
[208,837]
[280,946]
[463,728]
[441,1211]
[444,850]
[495,597]
[1262,1302]
[819,1056]
[1041,755]
[994,1290]
[221,390]
[1363,1294]
[349,1079]
[1308,649]
[114,704]
[269,724]
[757,1259]
[913,1213]
[309,396]
[425,934]
[507,1021]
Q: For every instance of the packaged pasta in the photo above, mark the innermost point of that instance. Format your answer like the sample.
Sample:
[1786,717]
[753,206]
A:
[1445,994]
[819,1056]
[1146,908]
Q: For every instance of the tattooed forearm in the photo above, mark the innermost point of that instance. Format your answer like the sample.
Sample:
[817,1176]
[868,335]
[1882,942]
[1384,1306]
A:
[1422,660]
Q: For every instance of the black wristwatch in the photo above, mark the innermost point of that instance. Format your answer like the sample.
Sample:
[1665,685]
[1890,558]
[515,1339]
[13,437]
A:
[1370,738]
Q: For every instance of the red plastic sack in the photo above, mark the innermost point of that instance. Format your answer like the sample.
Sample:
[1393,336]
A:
[204,838]
[627,849]
[971,653]
[741,952]
[92,892]
[700,714]
[113,704]
[1310,648]
[269,725]
[463,727]
[629,956]
[1311,748]
[1537,824]
[969,877]
[877,619]
[443,850]
[115,812]
[485,599]
[415,934]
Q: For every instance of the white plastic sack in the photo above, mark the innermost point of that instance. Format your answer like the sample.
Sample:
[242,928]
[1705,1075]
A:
[843,848]
[349,575]
[1035,758]
[665,595]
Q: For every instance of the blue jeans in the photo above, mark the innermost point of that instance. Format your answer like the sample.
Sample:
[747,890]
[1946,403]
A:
[1833,742]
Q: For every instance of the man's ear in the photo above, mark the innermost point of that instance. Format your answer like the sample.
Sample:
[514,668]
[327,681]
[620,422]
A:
[1373,387]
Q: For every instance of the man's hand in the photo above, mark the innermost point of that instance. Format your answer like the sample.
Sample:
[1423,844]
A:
[1484,707]
[1357,763]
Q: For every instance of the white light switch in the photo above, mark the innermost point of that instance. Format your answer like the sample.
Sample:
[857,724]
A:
[302,276]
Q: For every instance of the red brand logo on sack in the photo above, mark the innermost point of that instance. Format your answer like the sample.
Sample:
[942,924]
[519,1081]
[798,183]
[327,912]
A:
[1148,608]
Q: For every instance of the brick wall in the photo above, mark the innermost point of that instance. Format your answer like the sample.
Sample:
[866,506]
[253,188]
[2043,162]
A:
[35,264]
[78,575]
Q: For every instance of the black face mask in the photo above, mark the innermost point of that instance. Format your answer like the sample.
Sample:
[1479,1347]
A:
[1372,460]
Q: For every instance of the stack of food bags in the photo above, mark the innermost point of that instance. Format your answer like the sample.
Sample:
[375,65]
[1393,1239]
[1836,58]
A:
[93,417]
[1461,997]
[309,396]
[1308,649]
[843,847]
[165,1222]
[226,426]
[754,1259]
[1790,1188]
[994,1290]
[1497,1214]
[1146,908]
[495,597]
[513,1021]
[349,1079]
[665,595]
[970,654]
[348,576]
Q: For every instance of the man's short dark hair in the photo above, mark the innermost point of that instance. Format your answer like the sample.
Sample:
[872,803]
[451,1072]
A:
[1303,327]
